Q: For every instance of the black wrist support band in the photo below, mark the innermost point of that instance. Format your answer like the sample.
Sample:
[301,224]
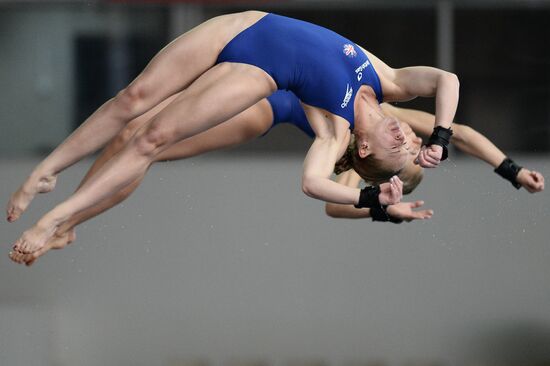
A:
[441,136]
[369,197]
[509,170]
[380,213]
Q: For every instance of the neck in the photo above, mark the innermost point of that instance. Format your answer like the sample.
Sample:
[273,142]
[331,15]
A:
[367,110]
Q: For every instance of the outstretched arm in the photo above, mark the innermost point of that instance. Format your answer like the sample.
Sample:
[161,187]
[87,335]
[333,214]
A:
[467,140]
[402,211]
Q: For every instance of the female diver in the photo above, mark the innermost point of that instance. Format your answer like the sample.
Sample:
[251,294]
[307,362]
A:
[282,107]
[228,64]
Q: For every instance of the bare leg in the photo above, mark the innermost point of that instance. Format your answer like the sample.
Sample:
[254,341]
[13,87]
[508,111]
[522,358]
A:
[217,95]
[244,127]
[170,71]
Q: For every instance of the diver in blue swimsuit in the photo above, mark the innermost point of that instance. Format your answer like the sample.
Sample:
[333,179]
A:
[322,68]
[225,66]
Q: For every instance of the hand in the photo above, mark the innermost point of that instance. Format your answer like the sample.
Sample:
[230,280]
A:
[392,192]
[429,156]
[530,180]
[404,211]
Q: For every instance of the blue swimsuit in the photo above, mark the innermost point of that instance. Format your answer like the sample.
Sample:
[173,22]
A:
[321,67]
[287,109]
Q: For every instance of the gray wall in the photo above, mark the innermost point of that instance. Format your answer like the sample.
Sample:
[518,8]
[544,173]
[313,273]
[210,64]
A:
[223,257]
[37,67]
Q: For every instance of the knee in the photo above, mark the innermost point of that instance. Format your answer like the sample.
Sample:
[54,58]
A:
[148,140]
[124,137]
[129,99]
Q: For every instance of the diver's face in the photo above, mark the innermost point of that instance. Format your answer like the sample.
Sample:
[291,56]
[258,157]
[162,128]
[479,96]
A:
[389,143]
[413,143]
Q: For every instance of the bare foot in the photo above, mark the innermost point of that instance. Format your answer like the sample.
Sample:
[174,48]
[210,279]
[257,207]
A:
[20,200]
[35,238]
[58,241]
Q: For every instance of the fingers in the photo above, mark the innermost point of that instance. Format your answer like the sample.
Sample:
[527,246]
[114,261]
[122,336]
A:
[398,184]
[416,204]
[532,181]
[396,189]
[424,214]
[429,157]
[418,215]
[539,180]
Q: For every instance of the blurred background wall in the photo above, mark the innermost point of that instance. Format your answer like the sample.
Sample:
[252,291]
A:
[221,260]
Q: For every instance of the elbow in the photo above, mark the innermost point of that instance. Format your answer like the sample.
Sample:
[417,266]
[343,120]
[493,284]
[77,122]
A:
[461,134]
[453,80]
[308,186]
[331,211]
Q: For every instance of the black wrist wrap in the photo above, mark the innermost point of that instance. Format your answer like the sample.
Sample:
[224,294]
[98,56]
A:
[509,170]
[441,136]
[368,197]
[379,213]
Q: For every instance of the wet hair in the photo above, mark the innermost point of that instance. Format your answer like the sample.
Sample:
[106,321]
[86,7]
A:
[410,183]
[373,171]
[370,168]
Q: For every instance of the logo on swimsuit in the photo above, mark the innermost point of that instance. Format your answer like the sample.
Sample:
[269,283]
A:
[349,50]
[349,92]
[360,69]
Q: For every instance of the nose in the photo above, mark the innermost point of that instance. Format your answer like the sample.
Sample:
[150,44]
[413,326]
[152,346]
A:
[398,134]
[393,125]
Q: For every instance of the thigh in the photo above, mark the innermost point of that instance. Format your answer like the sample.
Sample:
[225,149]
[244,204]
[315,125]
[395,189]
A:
[183,60]
[218,95]
[245,126]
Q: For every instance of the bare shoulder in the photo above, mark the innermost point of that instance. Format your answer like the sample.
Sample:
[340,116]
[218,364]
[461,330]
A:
[326,125]
[385,73]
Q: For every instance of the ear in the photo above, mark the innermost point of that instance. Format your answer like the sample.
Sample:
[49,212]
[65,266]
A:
[363,149]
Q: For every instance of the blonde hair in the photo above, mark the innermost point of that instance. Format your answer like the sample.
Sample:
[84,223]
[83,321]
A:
[370,168]
[373,170]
